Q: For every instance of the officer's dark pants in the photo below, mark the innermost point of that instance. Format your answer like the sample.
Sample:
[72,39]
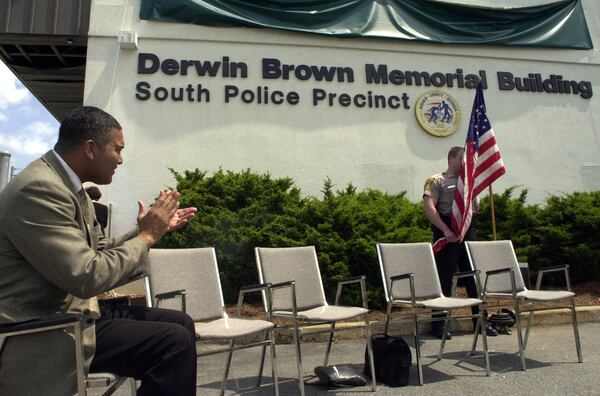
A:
[451,257]
[156,346]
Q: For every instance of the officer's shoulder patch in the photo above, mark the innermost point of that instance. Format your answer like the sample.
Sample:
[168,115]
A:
[429,182]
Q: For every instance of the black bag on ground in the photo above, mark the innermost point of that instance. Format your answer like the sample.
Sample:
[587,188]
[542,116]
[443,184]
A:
[392,358]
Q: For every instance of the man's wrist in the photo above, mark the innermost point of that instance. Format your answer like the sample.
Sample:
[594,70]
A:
[147,238]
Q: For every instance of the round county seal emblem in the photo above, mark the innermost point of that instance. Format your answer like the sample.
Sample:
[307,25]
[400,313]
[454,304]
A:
[438,113]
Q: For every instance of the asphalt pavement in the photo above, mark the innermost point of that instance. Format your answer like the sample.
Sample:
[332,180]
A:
[552,367]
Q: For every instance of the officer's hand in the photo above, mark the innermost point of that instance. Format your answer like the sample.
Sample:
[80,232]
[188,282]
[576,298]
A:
[450,236]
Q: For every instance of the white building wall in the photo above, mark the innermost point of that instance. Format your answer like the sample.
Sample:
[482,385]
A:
[549,142]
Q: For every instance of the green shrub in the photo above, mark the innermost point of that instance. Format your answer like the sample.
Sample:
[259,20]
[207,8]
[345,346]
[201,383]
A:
[564,231]
[236,212]
[239,211]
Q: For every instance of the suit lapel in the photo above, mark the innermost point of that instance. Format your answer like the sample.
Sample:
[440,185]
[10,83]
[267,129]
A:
[57,167]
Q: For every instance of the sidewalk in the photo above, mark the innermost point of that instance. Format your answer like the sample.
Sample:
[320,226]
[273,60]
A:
[551,362]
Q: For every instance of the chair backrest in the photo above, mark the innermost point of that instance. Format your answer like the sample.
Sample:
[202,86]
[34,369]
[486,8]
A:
[297,264]
[401,258]
[194,270]
[492,255]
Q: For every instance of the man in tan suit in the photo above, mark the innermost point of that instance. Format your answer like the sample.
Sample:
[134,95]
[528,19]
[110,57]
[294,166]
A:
[54,258]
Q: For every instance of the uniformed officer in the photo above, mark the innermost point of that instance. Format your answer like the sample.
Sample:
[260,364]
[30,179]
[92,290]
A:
[438,196]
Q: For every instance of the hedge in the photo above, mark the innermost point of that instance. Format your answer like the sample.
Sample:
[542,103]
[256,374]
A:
[238,211]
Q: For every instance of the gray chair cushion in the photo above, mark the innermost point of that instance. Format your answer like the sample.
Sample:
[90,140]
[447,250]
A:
[326,313]
[230,328]
[443,303]
[537,295]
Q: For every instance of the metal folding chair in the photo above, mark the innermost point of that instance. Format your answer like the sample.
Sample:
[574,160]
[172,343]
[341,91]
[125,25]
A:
[58,354]
[503,281]
[188,279]
[297,269]
[410,280]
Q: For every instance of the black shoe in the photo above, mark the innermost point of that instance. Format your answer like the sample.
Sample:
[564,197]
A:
[490,331]
[439,333]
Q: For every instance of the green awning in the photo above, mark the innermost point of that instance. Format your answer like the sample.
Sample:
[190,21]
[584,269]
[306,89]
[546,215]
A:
[560,24]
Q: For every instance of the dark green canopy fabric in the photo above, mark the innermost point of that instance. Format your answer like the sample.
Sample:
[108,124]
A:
[560,24]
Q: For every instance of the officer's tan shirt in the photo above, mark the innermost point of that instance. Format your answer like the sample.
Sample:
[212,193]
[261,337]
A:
[441,187]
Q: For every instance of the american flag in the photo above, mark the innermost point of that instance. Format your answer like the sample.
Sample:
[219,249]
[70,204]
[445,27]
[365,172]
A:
[482,164]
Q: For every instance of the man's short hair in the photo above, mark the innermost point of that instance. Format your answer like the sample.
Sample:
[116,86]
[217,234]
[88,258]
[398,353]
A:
[86,123]
[455,152]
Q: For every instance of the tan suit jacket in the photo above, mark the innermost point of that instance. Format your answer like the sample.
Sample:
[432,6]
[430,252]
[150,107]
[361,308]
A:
[50,259]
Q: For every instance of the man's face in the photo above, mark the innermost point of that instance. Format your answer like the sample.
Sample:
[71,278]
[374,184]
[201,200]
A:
[107,158]
[455,163]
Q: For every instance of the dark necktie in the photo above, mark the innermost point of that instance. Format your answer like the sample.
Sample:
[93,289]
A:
[85,208]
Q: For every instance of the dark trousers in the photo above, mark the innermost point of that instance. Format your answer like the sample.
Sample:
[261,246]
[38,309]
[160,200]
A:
[156,346]
[452,257]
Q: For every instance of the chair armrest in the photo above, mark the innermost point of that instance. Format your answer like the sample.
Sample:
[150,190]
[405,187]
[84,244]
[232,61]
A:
[400,277]
[467,274]
[262,287]
[411,280]
[62,320]
[172,294]
[355,279]
[563,267]
[282,284]
[555,268]
[254,288]
[501,271]
[498,271]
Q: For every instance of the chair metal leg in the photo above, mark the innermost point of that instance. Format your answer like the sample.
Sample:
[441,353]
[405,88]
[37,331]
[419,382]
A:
[520,335]
[388,318]
[529,322]
[81,391]
[370,353]
[478,328]
[417,346]
[227,366]
[273,362]
[262,361]
[328,351]
[443,343]
[481,321]
[298,357]
[133,386]
[576,331]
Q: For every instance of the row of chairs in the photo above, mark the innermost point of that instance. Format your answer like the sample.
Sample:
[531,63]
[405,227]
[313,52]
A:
[292,289]
[292,293]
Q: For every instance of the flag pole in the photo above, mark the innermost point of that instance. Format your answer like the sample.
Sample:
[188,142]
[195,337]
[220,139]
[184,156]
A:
[493,213]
